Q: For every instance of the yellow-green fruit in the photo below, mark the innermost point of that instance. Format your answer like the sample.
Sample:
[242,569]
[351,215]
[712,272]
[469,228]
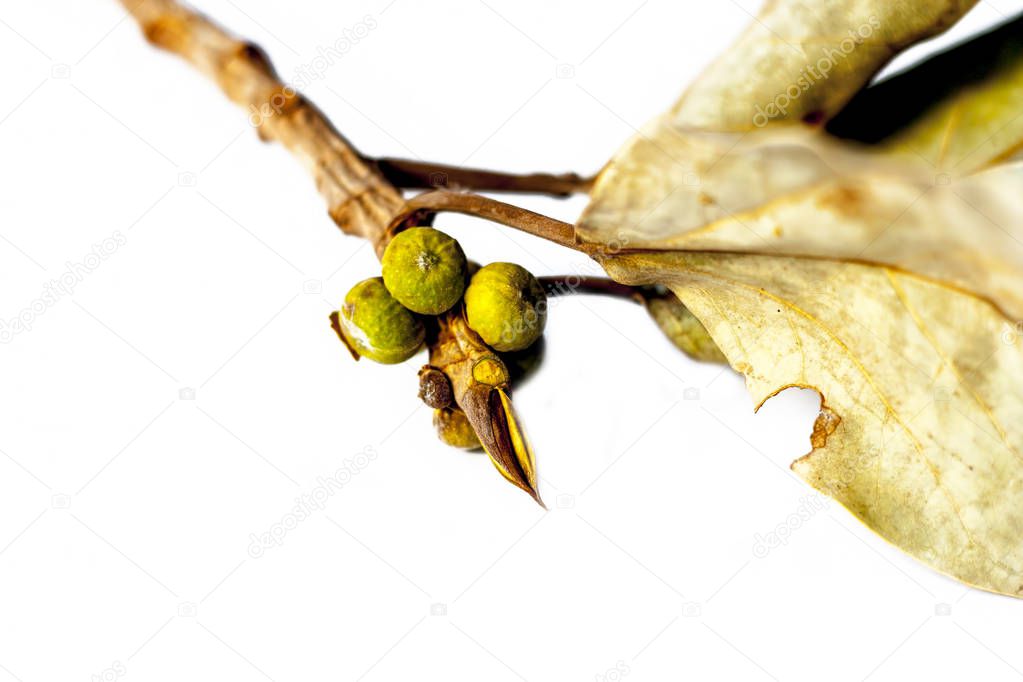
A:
[453,429]
[378,327]
[425,270]
[506,306]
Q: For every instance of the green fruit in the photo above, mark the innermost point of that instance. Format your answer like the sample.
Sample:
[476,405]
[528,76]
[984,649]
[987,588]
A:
[506,306]
[454,429]
[425,270]
[376,326]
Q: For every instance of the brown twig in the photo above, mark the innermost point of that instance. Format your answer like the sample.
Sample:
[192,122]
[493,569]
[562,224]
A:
[420,209]
[358,197]
[425,175]
[562,285]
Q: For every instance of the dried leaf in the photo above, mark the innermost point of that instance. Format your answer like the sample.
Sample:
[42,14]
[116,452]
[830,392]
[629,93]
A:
[921,427]
[804,59]
[959,110]
[799,194]
[890,288]
[892,297]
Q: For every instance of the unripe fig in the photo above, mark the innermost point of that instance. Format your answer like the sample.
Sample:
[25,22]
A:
[506,306]
[425,270]
[454,429]
[376,326]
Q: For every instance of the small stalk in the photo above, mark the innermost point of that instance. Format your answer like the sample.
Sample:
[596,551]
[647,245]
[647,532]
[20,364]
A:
[409,174]
[563,285]
[419,210]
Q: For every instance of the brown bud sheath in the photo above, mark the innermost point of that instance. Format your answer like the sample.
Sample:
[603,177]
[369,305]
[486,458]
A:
[434,387]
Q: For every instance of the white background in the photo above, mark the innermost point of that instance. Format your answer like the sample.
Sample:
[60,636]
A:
[127,508]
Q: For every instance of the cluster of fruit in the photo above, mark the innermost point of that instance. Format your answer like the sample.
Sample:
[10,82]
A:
[425,273]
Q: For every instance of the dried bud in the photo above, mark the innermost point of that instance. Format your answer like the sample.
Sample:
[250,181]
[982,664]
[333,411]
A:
[490,413]
[434,387]
[479,382]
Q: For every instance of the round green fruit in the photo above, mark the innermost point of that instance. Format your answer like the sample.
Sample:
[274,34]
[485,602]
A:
[454,429]
[506,306]
[376,326]
[425,270]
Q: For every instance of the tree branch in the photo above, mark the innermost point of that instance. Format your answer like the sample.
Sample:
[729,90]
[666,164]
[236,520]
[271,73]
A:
[575,284]
[425,175]
[363,203]
[358,197]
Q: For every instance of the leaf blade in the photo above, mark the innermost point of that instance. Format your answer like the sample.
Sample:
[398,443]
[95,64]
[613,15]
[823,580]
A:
[958,110]
[807,59]
[938,475]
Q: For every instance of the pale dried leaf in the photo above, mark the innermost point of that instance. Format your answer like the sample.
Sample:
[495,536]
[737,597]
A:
[892,288]
[807,58]
[896,298]
[921,427]
[958,110]
[798,195]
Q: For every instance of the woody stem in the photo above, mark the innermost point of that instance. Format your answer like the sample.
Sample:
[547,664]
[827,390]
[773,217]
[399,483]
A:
[573,284]
[420,209]
[426,175]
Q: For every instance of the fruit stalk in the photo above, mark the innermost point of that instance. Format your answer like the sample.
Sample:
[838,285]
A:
[425,175]
[418,208]
[605,286]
